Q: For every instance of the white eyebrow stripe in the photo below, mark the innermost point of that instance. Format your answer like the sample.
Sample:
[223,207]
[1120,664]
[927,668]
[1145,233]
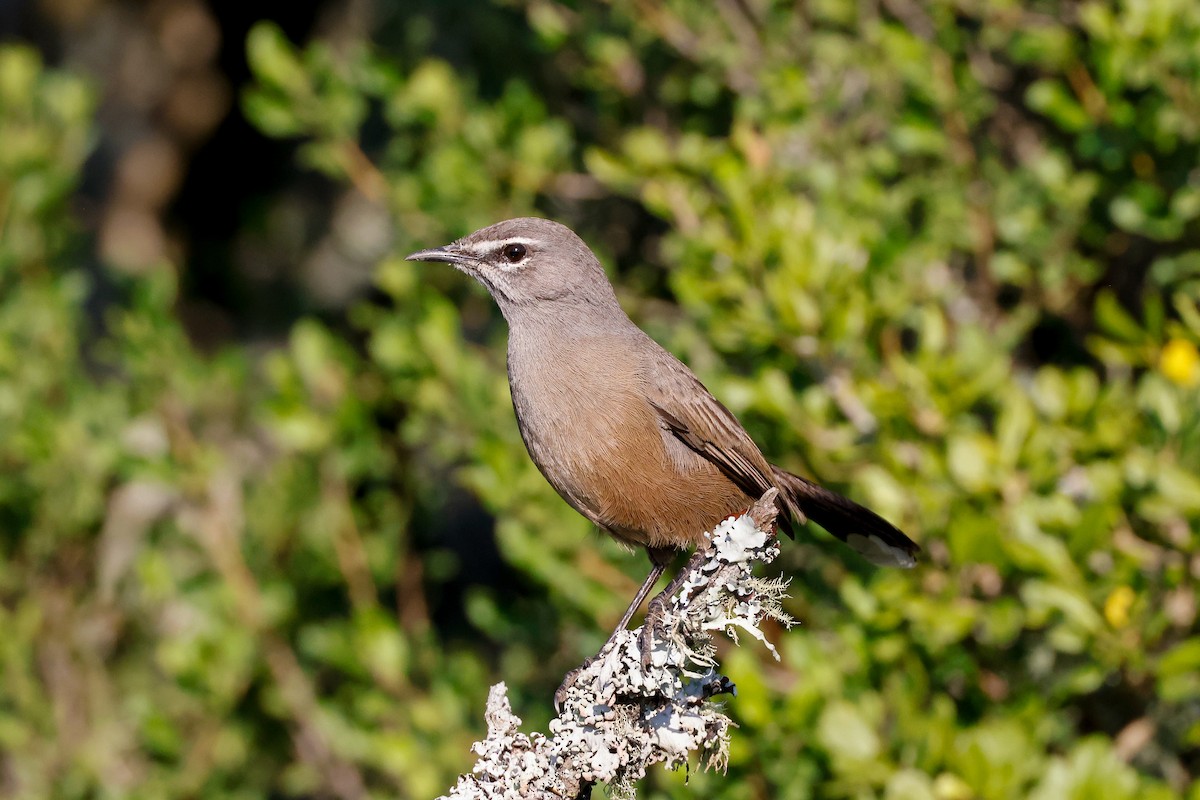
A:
[488,245]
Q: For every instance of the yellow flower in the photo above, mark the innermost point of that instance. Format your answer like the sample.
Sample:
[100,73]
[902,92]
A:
[1116,607]
[1180,362]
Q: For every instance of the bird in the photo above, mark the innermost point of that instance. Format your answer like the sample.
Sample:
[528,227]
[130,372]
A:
[621,428]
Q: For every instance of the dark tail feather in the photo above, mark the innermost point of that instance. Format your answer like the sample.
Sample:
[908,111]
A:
[867,533]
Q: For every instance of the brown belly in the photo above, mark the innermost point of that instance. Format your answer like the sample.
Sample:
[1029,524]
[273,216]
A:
[659,505]
[628,475]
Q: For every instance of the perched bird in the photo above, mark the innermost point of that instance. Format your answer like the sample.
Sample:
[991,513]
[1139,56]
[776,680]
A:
[620,427]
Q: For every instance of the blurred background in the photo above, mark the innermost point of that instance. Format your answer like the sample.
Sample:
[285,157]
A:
[266,525]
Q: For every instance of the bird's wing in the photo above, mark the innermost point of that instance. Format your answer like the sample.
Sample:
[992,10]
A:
[689,412]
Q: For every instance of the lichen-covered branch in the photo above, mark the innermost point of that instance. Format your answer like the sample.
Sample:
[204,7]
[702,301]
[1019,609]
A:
[647,697]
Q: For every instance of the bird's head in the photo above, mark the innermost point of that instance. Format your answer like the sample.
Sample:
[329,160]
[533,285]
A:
[527,263]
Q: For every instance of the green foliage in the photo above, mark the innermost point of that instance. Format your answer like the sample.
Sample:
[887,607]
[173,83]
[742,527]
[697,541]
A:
[945,258]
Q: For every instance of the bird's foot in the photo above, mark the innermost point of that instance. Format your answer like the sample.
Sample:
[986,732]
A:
[654,626]
[575,674]
[560,694]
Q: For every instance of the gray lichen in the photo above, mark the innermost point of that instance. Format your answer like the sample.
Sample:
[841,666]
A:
[647,697]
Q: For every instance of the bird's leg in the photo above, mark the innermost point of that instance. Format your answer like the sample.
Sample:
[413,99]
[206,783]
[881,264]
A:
[658,605]
[659,559]
[647,585]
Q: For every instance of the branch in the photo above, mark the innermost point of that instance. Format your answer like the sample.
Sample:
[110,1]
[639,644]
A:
[647,697]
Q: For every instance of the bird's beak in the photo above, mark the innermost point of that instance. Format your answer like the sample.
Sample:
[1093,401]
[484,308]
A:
[445,254]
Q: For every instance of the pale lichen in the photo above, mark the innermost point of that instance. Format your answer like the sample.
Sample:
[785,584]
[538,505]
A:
[647,697]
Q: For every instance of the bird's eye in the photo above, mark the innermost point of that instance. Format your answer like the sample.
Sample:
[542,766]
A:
[514,252]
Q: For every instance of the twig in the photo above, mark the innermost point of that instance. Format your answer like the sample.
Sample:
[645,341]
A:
[646,697]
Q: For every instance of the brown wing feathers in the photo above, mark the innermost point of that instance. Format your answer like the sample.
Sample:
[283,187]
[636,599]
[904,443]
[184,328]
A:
[707,427]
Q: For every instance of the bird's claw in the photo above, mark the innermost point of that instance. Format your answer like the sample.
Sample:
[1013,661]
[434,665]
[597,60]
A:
[652,627]
[560,694]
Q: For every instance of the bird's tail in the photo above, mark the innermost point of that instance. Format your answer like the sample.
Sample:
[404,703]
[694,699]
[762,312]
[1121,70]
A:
[869,534]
